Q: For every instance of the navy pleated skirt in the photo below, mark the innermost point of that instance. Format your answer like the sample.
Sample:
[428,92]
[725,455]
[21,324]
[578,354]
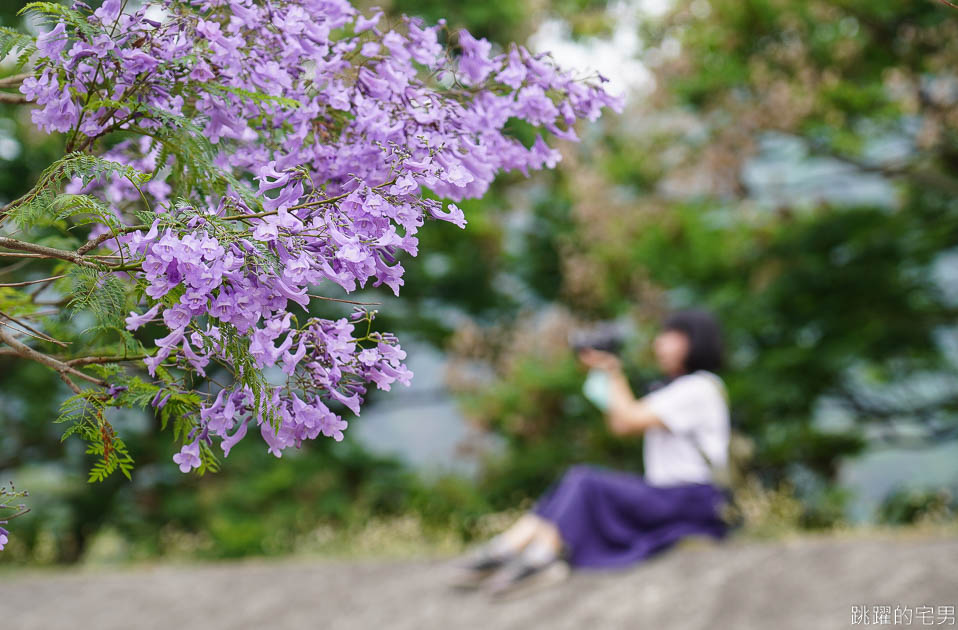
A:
[613,519]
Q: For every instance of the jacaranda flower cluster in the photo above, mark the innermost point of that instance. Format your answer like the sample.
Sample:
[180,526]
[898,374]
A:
[319,141]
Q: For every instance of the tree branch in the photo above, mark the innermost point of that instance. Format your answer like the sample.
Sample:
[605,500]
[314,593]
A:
[61,368]
[20,332]
[27,283]
[62,254]
[22,255]
[17,515]
[332,299]
[96,242]
[80,361]
[14,80]
[97,360]
[36,333]
[16,99]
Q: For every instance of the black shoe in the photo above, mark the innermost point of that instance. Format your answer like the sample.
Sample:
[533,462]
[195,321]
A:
[521,577]
[471,571]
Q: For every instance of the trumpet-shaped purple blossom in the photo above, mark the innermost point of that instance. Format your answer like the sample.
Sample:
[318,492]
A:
[333,170]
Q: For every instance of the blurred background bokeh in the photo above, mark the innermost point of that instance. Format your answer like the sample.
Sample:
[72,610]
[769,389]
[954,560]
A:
[790,164]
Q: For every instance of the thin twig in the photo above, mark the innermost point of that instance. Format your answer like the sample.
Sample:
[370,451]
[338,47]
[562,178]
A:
[17,515]
[41,334]
[11,268]
[21,332]
[97,360]
[60,367]
[332,299]
[44,256]
[41,289]
[308,204]
[35,314]
[94,243]
[73,386]
[29,282]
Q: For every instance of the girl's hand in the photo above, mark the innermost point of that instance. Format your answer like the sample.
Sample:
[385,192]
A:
[600,360]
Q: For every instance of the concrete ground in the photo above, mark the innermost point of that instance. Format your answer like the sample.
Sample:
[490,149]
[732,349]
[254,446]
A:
[805,583]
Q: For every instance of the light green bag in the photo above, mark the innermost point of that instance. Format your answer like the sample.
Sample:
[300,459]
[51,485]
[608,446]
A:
[722,475]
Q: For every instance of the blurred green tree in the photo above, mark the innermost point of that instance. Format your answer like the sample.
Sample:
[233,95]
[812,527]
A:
[827,293]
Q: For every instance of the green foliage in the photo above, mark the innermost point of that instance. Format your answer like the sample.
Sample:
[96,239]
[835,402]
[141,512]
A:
[258,98]
[41,204]
[101,293]
[905,506]
[498,21]
[809,294]
[82,209]
[85,414]
[509,20]
[53,12]
[112,454]
[11,40]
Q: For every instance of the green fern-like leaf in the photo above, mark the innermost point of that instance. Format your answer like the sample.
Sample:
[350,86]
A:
[101,293]
[31,208]
[83,209]
[253,97]
[11,40]
[122,458]
[194,156]
[181,408]
[54,12]
[208,460]
[77,409]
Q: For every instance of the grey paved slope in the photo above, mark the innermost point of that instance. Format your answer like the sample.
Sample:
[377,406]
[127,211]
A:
[807,583]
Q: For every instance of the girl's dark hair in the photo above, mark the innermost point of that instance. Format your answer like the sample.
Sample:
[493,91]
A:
[705,338]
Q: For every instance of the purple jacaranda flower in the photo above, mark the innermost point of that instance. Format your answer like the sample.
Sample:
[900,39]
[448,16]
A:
[291,360]
[109,11]
[231,440]
[364,24]
[52,42]
[189,456]
[154,361]
[515,71]
[475,64]
[134,321]
[61,113]
[454,215]
[160,399]
[176,317]
[333,426]
[425,47]
[197,361]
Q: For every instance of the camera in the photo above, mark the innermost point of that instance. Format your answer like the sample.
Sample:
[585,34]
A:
[607,337]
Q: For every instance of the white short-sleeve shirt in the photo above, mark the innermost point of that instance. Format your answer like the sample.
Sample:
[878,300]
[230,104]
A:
[691,406]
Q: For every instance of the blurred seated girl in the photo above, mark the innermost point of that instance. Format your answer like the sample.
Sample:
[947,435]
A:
[599,518]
